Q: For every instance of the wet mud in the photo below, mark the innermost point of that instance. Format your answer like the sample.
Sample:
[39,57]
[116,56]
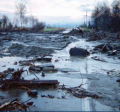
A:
[97,75]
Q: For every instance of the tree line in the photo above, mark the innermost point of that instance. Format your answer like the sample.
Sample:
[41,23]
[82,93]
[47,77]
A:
[106,18]
[21,21]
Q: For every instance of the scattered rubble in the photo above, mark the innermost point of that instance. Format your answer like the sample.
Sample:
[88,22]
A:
[104,47]
[14,105]
[21,50]
[82,93]
[52,97]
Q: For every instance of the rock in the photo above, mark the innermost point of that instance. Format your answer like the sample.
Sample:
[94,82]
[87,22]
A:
[45,67]
[50,96]
[43,96]
[47,58]
[118,80]
[32,93]
[43,75]
[78,52]
[15,63]
[34,68]
[30,103]
[66,36]
[10,69]
[38,58]
[25,63]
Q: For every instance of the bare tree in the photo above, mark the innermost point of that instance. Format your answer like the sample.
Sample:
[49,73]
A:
[20,11]
[5,21]
[32,21]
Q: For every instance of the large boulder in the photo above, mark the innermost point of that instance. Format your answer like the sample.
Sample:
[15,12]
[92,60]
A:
[78,52]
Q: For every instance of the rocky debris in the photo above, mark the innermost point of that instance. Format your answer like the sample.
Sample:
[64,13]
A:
[30,103]
[14,105]
[94,36]
[104,47]
[44,58]
[43,75]
[5,73]
[6,39]
[52,97]
[48,96]
[98,58]
[82,93]
[26,63]
[75,31]
[78,52]
[48,67]
[20,50]
[35,68]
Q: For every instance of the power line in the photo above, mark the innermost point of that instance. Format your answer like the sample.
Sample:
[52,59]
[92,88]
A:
[99,14]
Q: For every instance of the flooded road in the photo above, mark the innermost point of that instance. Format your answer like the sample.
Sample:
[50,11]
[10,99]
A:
[72,71]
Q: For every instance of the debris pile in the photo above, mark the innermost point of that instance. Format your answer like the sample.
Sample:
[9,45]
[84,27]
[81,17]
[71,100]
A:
[14,105]
[82,93]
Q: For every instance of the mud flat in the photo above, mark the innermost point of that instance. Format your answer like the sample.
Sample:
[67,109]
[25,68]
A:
[97,77]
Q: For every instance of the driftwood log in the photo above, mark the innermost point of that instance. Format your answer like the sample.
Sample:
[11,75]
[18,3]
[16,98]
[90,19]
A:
[16,83]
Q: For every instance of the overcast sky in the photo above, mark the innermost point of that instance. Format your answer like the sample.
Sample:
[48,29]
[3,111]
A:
[53,11]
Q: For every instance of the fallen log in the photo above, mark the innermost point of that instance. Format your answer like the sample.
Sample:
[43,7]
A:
[22,82]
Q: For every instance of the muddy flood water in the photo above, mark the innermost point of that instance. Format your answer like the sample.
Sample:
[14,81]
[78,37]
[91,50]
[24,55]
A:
[70,71]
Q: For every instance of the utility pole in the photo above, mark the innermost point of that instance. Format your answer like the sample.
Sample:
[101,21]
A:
[86,19]
[84,23]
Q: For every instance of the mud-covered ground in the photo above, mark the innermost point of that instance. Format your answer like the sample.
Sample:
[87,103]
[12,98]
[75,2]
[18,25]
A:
[97,76]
